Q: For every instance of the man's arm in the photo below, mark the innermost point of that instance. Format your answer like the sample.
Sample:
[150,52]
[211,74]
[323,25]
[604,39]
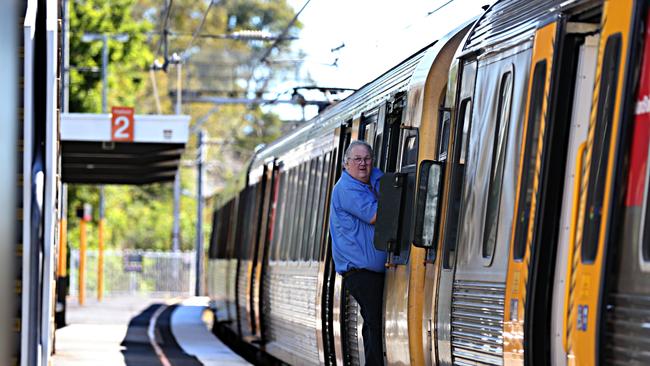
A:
[373,220]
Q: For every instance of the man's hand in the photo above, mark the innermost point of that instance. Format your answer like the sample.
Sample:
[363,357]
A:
[374,218]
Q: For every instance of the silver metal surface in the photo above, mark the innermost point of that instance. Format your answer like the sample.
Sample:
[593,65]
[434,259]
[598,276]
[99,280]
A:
[396,332]
[10,185]
[477,322]
[290,311]
[338,320]
[243,296]
[471,266]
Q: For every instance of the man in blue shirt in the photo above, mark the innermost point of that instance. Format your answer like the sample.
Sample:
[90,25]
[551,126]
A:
[353,212]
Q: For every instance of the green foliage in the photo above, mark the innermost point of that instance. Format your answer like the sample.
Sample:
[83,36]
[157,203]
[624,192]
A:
[140,217]
[126,60]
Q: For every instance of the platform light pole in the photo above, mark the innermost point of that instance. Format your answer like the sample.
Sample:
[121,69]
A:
[92,37]
[202,137]
[176,226]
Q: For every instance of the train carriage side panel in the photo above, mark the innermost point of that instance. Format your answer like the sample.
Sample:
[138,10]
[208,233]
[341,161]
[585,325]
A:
[595,213]
[11,143]
[623,332]
[534,124]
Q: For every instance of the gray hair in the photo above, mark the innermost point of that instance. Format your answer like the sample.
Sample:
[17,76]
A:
[354,143]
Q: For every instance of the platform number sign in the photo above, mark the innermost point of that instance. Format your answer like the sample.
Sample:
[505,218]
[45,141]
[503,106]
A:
[122,124]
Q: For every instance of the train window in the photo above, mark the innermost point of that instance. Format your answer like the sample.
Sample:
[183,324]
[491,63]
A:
[498,164]
[323,218]
[466,117]
[314,207]
[445,125]
[279,216]
[212,251]
[222,218]
[307,239]
[410,149]
[530,157]
[600,149]
[289,214]
[296,221]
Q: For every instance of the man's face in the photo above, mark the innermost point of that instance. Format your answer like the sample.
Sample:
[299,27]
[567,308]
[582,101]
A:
[359,163]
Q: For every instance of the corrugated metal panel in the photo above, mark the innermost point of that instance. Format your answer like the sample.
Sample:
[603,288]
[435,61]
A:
[627,330]
[242,296]
[230,291]
[354,323]
[509,19]
[290,311]
[477,323]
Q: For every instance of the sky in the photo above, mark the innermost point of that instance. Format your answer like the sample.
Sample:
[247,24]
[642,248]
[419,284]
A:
[376,34]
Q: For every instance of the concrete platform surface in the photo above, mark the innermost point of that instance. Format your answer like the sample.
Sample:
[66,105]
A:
[95,331]
[96,334]
[196,339]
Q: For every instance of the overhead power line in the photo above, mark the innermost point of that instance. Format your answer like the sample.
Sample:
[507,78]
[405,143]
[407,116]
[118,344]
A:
[267,52]
[198,30]
[163,29]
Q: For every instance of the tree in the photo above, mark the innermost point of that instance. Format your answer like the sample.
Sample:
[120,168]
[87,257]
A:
[140,217]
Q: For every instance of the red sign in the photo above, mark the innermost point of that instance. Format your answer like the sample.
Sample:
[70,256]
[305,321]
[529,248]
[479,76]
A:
[122,124]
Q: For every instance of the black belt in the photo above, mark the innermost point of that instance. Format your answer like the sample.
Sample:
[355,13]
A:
[352,271]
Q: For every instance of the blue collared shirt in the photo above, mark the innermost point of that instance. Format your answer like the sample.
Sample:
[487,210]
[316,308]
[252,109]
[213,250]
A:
[353,205]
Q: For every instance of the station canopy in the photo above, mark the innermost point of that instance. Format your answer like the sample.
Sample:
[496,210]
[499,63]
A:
[122,148]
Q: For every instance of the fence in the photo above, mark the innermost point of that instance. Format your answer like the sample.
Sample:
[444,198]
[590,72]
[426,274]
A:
[136,273]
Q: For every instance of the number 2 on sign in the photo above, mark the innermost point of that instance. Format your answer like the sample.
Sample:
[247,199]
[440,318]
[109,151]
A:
[122,124]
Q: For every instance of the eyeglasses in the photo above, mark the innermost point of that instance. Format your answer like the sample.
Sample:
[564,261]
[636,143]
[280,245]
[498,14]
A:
[359,160]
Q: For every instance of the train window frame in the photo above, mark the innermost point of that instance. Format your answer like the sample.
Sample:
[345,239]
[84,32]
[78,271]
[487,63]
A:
[408,155]
[285,245]
[444,116]
[279,216]
[212,248]
[604,119]
[296,248]
[222,231]
[323,219]
[314,207]
[497,169]
[309,211]
[525,197]
[465,116]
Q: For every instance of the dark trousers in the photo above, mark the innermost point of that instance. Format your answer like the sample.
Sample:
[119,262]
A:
[367,288]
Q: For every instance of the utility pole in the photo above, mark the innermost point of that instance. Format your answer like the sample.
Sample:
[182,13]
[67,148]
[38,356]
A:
[100,255]
[104,37]
[177,181]
[202,136]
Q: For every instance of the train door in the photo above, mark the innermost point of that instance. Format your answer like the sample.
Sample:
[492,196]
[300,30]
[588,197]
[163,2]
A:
[245,255]
[267,201]
[333,286]
[624,333]
[470,309]
[393,230]
[599,308]
[232,265]
[559,86]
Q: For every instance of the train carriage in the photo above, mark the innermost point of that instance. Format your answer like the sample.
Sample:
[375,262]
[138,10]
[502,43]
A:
[513,209]
[30,180]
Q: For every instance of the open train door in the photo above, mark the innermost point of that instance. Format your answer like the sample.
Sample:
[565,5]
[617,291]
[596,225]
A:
[623,336]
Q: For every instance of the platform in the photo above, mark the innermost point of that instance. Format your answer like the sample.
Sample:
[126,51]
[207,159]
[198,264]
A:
[119,331]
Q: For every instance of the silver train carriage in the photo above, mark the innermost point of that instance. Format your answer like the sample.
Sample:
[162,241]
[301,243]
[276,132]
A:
[514,207]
